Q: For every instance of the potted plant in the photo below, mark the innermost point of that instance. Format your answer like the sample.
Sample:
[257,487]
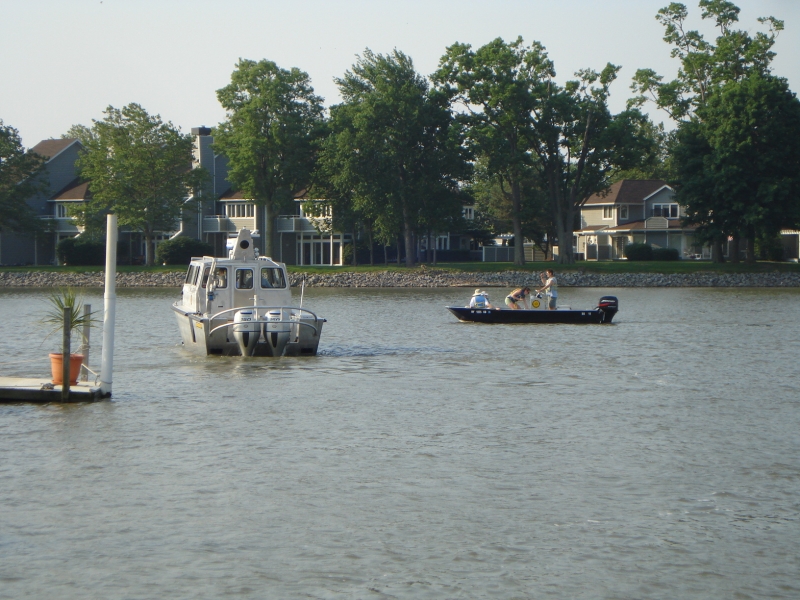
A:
[59,300]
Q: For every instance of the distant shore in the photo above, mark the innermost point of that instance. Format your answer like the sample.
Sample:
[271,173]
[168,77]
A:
[430,278]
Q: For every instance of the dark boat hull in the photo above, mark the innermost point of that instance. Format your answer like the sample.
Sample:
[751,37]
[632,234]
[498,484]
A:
[604,313]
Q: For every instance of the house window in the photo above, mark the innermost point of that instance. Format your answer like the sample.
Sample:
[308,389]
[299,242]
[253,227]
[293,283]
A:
[239,209]
[468,213]
[61,211]
[608,212]
[668,211]
[623,212]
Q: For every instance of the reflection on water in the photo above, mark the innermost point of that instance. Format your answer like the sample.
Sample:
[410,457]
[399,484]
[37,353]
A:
[417,456]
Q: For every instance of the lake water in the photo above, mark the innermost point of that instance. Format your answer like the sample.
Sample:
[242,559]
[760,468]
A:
[417,456]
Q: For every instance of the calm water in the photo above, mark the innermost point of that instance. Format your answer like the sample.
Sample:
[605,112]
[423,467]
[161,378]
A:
[417,457]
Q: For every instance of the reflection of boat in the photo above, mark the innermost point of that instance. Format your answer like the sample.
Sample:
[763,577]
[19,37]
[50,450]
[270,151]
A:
[603,313]
[241,305]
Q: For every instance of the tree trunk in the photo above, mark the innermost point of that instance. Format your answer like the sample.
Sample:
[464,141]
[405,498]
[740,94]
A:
[519,243]
[371,242]
[717,253]
[750,249]
[354,258]
[398,251]
[735,249]
[148,247]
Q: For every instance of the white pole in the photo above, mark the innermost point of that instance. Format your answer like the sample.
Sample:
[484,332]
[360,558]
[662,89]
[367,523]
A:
[110,305]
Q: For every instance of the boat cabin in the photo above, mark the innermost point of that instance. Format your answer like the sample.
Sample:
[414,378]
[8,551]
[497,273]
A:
[243,279]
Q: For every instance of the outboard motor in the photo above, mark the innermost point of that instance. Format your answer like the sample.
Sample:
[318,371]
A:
[277,329]
[246,331]
[609,305]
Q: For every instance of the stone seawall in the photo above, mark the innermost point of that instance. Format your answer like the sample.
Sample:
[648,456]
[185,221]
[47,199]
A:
[427,278]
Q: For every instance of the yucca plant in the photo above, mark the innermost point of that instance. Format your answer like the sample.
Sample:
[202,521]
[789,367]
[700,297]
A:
[67,298]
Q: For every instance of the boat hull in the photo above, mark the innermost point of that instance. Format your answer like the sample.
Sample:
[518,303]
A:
[200,337]
[603,314]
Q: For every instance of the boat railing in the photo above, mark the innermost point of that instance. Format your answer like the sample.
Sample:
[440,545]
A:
[292,321]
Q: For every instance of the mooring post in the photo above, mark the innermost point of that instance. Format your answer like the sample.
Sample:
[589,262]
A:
[109,306]
[65,352]
[87,327]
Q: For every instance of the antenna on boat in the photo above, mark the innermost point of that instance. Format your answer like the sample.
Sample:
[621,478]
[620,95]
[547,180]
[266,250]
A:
[302,291]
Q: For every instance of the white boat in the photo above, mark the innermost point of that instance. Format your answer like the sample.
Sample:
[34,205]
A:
[242,305]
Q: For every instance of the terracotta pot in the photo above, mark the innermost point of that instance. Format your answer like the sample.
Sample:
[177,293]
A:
[57,369]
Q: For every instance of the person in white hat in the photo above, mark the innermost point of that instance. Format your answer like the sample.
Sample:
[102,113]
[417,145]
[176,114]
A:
[480,299]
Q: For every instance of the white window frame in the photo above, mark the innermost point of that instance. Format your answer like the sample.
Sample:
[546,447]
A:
[234,210]
[61,211]
[672,210]
[623,212]
[608,213]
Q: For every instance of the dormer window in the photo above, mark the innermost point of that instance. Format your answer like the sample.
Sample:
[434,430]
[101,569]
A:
[608,212]
[668,211]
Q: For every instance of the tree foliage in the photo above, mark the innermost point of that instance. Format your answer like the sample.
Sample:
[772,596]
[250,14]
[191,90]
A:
[394,149]
[273,121]
[139,168]
[736,126]
[18,182]
[525,127]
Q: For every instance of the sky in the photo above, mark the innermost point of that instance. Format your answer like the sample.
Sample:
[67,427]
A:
[64,61]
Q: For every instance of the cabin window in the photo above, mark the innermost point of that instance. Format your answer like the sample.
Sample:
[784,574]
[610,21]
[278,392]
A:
[244,279]
[272,277]
[191,274]
[608,212]
[222,278]
[206,271]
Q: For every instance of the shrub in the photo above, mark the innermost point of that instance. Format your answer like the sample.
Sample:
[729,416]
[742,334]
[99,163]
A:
[639,252]
[666,254]
[180,250]
[80,251]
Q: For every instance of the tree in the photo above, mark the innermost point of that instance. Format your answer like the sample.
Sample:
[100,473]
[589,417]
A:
[740,161]
[273,120]
[706,69]
[524,126]
[139,168]
[396,148]
[18,182]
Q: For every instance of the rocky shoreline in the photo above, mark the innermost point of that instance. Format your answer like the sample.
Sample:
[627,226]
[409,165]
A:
[426,278]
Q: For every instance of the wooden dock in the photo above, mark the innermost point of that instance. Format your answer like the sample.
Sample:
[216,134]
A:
[23,389]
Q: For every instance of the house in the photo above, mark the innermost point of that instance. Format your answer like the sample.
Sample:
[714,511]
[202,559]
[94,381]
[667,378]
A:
[60,188]
[634,211]
[301,239]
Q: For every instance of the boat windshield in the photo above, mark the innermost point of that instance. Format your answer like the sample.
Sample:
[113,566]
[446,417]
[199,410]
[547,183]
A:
[244,279]
[272,277]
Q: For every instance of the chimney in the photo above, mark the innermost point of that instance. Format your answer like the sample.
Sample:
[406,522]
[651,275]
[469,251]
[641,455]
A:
[203,130]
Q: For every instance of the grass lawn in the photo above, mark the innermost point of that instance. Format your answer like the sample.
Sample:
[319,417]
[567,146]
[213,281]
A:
[623,266]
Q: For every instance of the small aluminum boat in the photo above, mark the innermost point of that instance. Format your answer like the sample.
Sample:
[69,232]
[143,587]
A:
[603,313]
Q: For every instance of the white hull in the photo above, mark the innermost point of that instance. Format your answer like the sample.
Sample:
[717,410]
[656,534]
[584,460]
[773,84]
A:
[197,335]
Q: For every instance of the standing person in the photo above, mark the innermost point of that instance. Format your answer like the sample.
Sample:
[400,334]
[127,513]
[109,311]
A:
[480,299]
[518,295]
[550,286]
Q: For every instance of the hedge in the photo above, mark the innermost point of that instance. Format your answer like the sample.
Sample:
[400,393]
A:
[179,251]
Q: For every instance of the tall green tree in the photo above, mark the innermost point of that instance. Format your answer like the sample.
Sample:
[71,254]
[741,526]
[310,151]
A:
[18,182]
[394,143]
[139,168]
[706,68]
[743,148]
[523,125]
[273,121]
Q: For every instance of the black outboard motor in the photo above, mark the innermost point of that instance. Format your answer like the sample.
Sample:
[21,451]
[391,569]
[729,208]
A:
[609,305]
